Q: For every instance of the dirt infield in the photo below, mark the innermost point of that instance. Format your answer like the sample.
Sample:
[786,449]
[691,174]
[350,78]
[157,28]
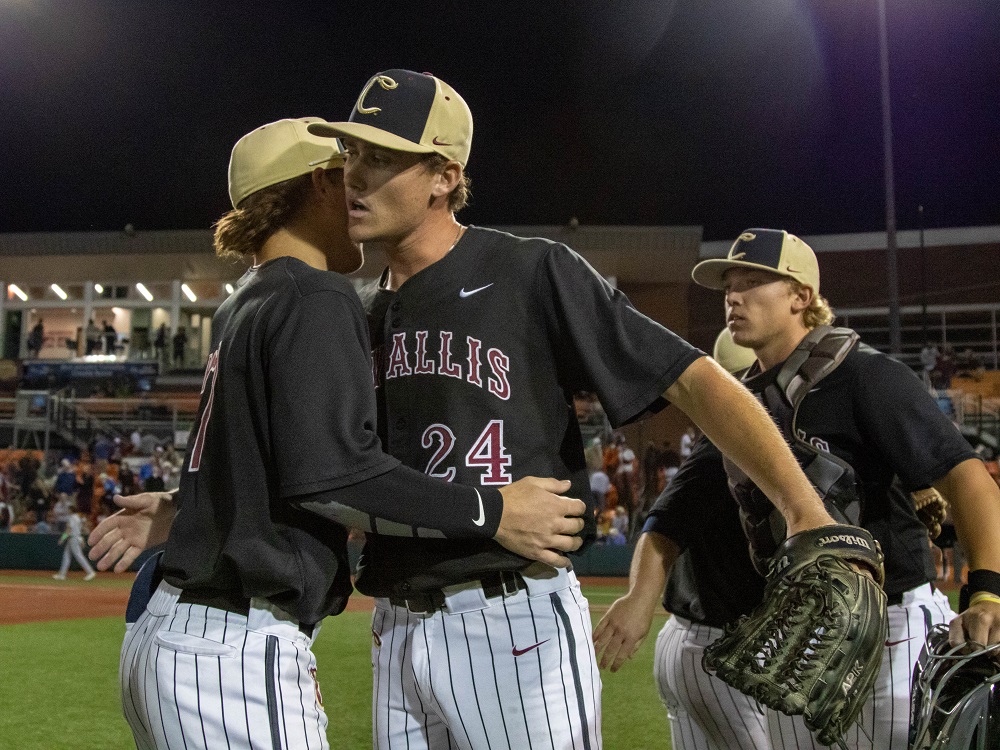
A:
[33,596]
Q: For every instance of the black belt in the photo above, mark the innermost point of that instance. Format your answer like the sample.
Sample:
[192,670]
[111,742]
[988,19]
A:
[500,583]
[235,603]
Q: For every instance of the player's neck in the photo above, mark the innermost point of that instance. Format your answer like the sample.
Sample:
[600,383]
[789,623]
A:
[426,245]
[287,243]
[780,347]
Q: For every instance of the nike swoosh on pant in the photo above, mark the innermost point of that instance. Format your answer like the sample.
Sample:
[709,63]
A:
[520,651]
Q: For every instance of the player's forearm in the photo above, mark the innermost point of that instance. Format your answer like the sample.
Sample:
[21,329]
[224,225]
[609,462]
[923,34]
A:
[975,508]
[740,427]
[405,502]
[652,560]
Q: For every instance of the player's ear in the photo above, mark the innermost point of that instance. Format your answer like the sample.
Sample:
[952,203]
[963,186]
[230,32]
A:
[802,297]
[447,179]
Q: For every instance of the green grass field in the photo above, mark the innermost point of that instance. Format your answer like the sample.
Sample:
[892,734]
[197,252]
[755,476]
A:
[59,685]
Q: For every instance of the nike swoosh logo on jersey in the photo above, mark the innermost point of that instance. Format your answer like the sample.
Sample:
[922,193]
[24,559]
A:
[482,513]
[890,644]
[463,294]
[521,651]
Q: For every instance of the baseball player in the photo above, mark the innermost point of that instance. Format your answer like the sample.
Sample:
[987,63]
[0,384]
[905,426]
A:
[480,338]
[693,534]
[282,456]
[870,415]
[72,537]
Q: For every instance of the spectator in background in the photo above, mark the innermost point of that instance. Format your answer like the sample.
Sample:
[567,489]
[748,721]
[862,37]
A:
[93,334]
[65,484]
[928,361]
[35,340]
[160,342]
[155,482]
[180,344]
[42,526]
[6,515]
[110,337]
[126,478]
[85,490]
[599,485]
[944,369]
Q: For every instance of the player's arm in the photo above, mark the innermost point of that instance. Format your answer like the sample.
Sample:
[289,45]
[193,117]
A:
[975,508]
[623,629]
[528,517]
[739,426]
[144,521]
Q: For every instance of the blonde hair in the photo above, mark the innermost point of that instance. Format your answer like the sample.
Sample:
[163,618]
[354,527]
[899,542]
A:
[244,230]
[819,312]
[459,197]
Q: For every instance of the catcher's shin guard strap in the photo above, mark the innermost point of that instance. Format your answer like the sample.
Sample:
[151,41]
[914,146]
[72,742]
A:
[849,543]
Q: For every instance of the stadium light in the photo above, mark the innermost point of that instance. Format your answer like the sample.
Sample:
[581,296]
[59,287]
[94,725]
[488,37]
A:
[229,288]
[144,291]
[98,288]
[188,293]
[59,292]
[17,290]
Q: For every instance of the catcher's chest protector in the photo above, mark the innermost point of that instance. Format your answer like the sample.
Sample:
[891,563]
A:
[817,355]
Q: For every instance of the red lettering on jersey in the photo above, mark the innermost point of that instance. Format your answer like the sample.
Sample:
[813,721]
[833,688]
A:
[446,437]
[499,384]
[211,371]
[474,362]
[445,365]
[398,366]
[489,451]
[423,366]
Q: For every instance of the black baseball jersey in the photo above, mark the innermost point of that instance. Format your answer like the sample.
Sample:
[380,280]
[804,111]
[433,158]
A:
[874,413]
[713,580]
[287,421]
[477,357]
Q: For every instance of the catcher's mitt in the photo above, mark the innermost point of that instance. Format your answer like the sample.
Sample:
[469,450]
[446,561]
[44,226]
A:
[814,645]
[932,510]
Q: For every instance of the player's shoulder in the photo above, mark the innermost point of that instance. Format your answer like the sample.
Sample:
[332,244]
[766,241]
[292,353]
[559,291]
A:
[511,248]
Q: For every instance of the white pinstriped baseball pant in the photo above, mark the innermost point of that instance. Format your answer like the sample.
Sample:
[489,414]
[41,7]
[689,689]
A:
[199,677]
[513,672]
[704,712]
[885,719]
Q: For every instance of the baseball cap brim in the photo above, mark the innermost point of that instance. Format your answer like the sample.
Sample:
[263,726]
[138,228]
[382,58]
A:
[709,273]
[369,134]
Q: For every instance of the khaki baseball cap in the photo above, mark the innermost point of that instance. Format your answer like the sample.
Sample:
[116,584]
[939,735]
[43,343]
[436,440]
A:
[729,354]
[407,111]
[277,152]
[773,250]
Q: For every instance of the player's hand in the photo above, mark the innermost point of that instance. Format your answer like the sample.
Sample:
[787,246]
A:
[539,524]
[622,630]
[143,522]
[978,626]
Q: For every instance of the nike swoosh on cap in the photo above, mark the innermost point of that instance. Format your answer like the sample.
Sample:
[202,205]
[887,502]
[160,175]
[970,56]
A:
[463,294]
[521,651]
[436,142]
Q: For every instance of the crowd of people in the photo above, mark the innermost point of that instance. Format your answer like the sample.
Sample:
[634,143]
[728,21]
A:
[40,497]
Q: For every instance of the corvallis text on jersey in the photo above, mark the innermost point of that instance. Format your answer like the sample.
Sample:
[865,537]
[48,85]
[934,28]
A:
[410,356]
